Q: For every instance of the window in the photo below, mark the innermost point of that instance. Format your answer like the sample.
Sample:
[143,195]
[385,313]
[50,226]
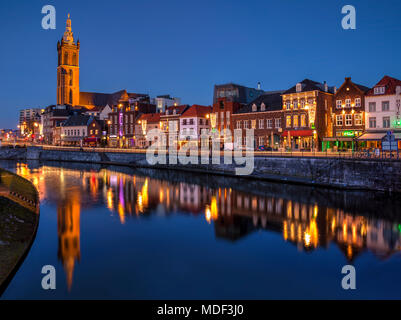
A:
[288,121]
[372,122]
[277,123]
[379,90]
[357,102]
[339,120]
[372,106]
[386,122]
[386,106]
[254,107]
[339,104]
[184,122]
[261,123]
[269,123]
[288,105]
[253,124]
[299,87]
[191,121]
[303,104]
[74,59]
[303,120]
[238,124]
[295,104]
[296,124]
[358,119]
[348,120]
[261,141]
[66,58]
[262,107]
[348,103]
[246,124]
[71,77]
[70,96]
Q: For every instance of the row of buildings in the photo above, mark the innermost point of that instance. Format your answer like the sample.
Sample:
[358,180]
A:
[308,116]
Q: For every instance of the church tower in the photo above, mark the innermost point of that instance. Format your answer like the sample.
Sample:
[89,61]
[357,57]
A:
[68,68]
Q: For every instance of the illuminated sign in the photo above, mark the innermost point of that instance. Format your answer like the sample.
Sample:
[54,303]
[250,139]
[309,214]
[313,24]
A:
[348,134]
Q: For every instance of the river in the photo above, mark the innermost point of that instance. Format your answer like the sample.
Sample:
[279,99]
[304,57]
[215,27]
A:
[121,233]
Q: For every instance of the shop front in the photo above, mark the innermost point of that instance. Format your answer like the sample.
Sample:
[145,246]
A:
[345,140]
[299,139]
[372,140]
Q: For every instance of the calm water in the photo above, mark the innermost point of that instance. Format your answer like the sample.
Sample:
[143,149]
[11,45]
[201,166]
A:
[120,233]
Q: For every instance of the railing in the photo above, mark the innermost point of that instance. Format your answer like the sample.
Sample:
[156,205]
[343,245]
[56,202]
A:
[365,154]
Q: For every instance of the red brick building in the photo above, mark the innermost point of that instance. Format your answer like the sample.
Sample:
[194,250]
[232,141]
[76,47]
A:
[307,115]
[122,119]
[265,116]
[348,115]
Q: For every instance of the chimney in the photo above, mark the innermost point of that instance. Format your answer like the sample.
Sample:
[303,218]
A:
[326,87]
[259,85]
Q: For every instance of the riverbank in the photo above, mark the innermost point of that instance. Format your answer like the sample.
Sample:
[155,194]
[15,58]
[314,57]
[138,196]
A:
[19,219]
[355,174]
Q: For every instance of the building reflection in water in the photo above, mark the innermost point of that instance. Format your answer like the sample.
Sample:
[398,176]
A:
[233,214]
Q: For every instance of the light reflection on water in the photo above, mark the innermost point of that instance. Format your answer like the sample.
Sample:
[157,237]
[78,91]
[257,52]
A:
[232,213]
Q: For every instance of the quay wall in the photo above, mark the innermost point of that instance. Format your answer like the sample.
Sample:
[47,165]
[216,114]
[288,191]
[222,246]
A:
[360,174]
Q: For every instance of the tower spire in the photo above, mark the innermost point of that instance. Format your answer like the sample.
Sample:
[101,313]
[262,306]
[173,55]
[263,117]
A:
[68,35]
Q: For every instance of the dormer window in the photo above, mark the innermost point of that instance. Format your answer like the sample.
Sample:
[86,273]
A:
[299,87]
[379,90]
[262,107]
[254,107]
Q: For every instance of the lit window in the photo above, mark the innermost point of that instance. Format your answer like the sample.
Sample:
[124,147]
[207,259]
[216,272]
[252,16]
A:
[296,122]
[348,120]
[253,124]
[348,103]
[303,120]
[358,119]
[288,121]
[357,102]
[339,104]
[295,104]
[288,105]
[339,120]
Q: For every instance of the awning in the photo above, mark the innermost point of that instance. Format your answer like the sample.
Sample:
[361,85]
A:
[298,133]
[372,136]
[93,139]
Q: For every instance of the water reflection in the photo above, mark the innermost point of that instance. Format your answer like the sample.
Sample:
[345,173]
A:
[233,213]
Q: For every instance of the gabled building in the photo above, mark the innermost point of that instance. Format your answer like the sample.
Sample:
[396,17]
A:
[170,123]
[265,115]
[348,114]
[80,130]
[383,112]
[52,117]
[145,123]
[195,119]
[307,115]
[164,101]
[121,121]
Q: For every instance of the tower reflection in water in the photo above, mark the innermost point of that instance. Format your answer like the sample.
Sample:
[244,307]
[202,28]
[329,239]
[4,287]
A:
[233,213]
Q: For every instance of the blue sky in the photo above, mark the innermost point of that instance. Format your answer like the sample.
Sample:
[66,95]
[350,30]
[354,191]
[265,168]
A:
[185,47]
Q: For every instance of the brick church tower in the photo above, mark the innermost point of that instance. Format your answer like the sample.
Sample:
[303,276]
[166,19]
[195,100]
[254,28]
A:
[68,68]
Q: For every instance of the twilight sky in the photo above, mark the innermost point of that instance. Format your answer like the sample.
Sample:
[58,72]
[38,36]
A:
[185,47]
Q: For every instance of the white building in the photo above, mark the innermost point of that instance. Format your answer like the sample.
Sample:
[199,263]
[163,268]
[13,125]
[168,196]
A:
[193,121]
[382,111]
[165,101]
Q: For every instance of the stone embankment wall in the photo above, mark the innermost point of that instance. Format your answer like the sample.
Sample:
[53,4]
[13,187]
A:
[329,172]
